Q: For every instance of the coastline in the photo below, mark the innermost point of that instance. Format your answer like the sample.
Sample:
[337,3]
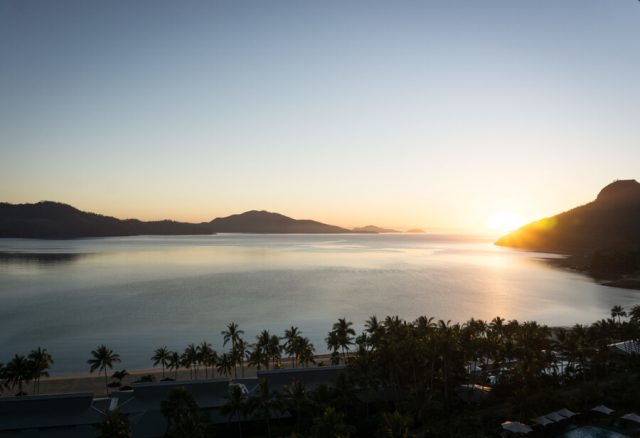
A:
[578,263]
[86,382]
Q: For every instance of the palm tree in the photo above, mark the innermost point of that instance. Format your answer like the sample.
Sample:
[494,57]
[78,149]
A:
[41,360]
[395,425]
[102,359]
[258,357]
[344,335]
[240,353]
[236,405]
[115,425]
[190,360]
[18,370]
[333,344]
[174,363]
[184,417]
[264,403]
[446,342]
[295,397]
[274,349]
[119,376]
[232,335]
[206,356]
[161,356]
[331,424]
[634,313]
[225,364]
[372,325]
[305,350]
[291,337]
[261,349]
[618,311]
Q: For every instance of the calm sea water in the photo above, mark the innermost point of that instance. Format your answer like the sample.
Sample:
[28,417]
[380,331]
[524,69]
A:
[139,293]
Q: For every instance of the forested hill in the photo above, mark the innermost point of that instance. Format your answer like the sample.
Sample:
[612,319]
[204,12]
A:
[53,220]
[602,237]
[611,221]
[267,222]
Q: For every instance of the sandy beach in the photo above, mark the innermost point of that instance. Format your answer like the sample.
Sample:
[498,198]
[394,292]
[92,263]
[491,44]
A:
[94,383]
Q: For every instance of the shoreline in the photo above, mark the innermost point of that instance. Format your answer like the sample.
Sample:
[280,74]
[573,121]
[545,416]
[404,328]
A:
[85,382]
[575,263]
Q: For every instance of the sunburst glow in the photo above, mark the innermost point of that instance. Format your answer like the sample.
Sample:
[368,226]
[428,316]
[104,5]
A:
[504,221]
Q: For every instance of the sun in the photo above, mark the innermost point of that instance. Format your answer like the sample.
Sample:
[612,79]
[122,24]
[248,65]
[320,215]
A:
[504,221]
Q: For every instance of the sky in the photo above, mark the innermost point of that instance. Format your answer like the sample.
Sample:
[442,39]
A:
[441,115]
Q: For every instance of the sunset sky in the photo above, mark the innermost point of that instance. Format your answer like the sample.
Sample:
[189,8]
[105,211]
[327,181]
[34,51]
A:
[431,114]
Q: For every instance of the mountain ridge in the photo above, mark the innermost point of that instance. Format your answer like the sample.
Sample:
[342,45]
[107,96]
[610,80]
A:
[611,221]
[55,220]
[262,221]
[600,238]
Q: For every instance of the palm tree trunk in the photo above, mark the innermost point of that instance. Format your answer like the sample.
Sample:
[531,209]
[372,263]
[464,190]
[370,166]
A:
[446,378]
[106,382]
[433,366]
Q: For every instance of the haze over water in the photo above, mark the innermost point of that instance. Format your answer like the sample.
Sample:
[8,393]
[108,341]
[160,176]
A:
[139,293]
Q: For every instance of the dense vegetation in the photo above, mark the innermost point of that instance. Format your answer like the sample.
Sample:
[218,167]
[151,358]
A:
[401,377]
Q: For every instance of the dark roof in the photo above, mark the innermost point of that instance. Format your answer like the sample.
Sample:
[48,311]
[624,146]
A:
[625,347]
[148,396]
[309,377]
[44,411]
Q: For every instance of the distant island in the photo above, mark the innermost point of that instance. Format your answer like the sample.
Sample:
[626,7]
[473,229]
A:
[53,220]
[374,229]
[415,230]
[267,222]
[601,238]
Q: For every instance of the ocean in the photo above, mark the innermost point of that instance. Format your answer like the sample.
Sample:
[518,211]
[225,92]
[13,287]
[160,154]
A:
[136,294]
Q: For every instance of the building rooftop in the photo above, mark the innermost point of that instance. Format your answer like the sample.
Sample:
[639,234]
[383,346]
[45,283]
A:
[47,411]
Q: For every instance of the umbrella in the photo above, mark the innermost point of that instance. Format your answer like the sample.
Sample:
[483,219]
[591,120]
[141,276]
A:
[632,417]
[603,409]
[543,421]
[566,413]
[516,427]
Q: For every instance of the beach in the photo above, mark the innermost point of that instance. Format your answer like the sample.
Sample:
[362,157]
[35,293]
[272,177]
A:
[94,382]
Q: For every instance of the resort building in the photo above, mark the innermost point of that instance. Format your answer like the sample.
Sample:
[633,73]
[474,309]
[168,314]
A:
[75,415]
[55,416]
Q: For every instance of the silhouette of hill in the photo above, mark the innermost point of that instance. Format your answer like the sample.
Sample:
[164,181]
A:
[374,229]
[415,230]
[53,220]
[266,222]
[601,237]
